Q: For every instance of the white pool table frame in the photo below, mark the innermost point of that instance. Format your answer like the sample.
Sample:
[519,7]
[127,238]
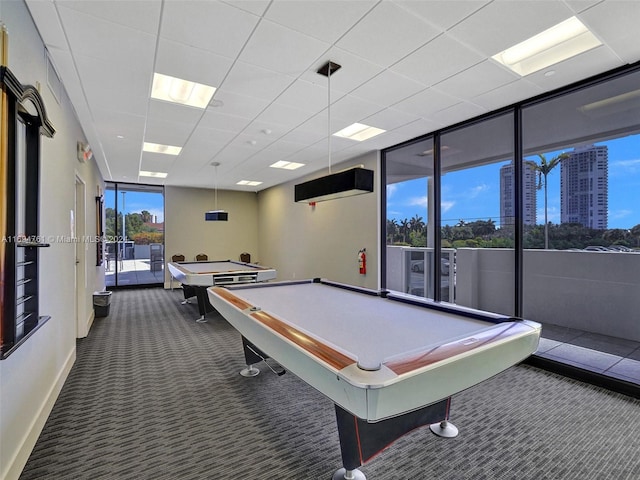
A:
[219,272]
[400,384]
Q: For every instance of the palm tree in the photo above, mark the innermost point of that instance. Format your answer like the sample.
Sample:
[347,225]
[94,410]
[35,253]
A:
[543,169]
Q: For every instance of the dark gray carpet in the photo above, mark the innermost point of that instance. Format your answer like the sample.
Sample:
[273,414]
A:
[154,395]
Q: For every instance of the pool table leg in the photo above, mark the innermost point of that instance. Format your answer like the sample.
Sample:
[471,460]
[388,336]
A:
[344,474]
[360,440]
[204,306]
[253,354]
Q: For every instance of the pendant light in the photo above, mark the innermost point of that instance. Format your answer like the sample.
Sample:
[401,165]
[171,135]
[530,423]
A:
[353,181]
[216,215]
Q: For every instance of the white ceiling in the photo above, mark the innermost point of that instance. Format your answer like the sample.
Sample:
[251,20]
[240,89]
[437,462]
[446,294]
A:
[408,66]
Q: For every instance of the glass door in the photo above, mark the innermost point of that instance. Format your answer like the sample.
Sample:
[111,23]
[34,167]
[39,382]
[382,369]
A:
[134,231]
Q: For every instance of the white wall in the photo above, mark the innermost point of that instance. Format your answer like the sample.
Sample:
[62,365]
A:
[301,241]
[32,376]
[187,232]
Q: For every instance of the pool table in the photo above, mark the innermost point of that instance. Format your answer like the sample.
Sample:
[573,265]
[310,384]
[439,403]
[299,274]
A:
[195,277]
[389,362]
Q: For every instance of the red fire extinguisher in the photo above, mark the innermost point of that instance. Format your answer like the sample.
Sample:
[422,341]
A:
[362,261]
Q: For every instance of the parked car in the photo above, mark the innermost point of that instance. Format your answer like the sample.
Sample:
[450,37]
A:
[596,248]
[417,266]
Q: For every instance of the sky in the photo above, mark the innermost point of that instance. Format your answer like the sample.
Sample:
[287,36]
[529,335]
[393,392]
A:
[136,202]
[474,194]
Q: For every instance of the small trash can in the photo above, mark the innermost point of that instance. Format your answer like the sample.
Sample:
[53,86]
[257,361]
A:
[101,303]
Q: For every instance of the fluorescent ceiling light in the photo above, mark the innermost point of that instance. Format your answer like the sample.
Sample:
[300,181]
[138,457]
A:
[287,165]
[184,92]
[158,148]
[612,105]
[359,132]
[144,173]
[249,183]
[560,42]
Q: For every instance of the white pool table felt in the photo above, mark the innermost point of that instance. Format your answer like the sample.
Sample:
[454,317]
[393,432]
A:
[372,329]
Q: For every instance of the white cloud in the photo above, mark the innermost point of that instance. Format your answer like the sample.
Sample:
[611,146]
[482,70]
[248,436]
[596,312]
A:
[447,205]
[626,166]
[477,190]
[418,201]
[618,214]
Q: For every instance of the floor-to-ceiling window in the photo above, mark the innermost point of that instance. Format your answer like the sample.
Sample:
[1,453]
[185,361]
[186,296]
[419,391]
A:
[409,229]
[477,214]
[538,215]
[582,261]
[134,231]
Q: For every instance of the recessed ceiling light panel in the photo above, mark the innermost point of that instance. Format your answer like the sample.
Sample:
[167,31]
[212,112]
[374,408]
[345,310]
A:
[158,148]
[144,173]
[287,165]
[249,183]
[359,132]
[560,42]
[184,92]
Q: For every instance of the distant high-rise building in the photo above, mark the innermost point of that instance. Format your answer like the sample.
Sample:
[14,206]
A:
[584,187]
[529,198]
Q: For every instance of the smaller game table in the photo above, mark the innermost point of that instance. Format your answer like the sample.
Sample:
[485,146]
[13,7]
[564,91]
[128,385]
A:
[390,363]
[195,277]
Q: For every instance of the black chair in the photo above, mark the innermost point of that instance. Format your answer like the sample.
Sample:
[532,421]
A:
[245,257]
[202,257]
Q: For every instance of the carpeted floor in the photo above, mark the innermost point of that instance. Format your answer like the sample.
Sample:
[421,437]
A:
[155,395]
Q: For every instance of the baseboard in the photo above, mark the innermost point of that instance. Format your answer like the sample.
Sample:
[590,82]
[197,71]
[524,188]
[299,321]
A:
[92,317]
[35,429]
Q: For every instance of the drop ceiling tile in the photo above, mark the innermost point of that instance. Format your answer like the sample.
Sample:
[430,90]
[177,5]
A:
[257,7]
[288,117]
[404,32]
[111,124]
[476,80]
[459,112]
[144,16]
[213,26]
[203,145]
[449,55]
[94,37]
[507,94]
[308,133]
[215,118]
[511,23]
[307,96]
[103,93]
[582,5]
[424,103]
[231,155]
[49,26]
[255,81]
[165,131]
[281,49]
[155,162]
[390,119]
[443,14]
[191,63]
[240,105]
[350,109]
[326,21]
[418,128]
[616,23]
[388,88]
